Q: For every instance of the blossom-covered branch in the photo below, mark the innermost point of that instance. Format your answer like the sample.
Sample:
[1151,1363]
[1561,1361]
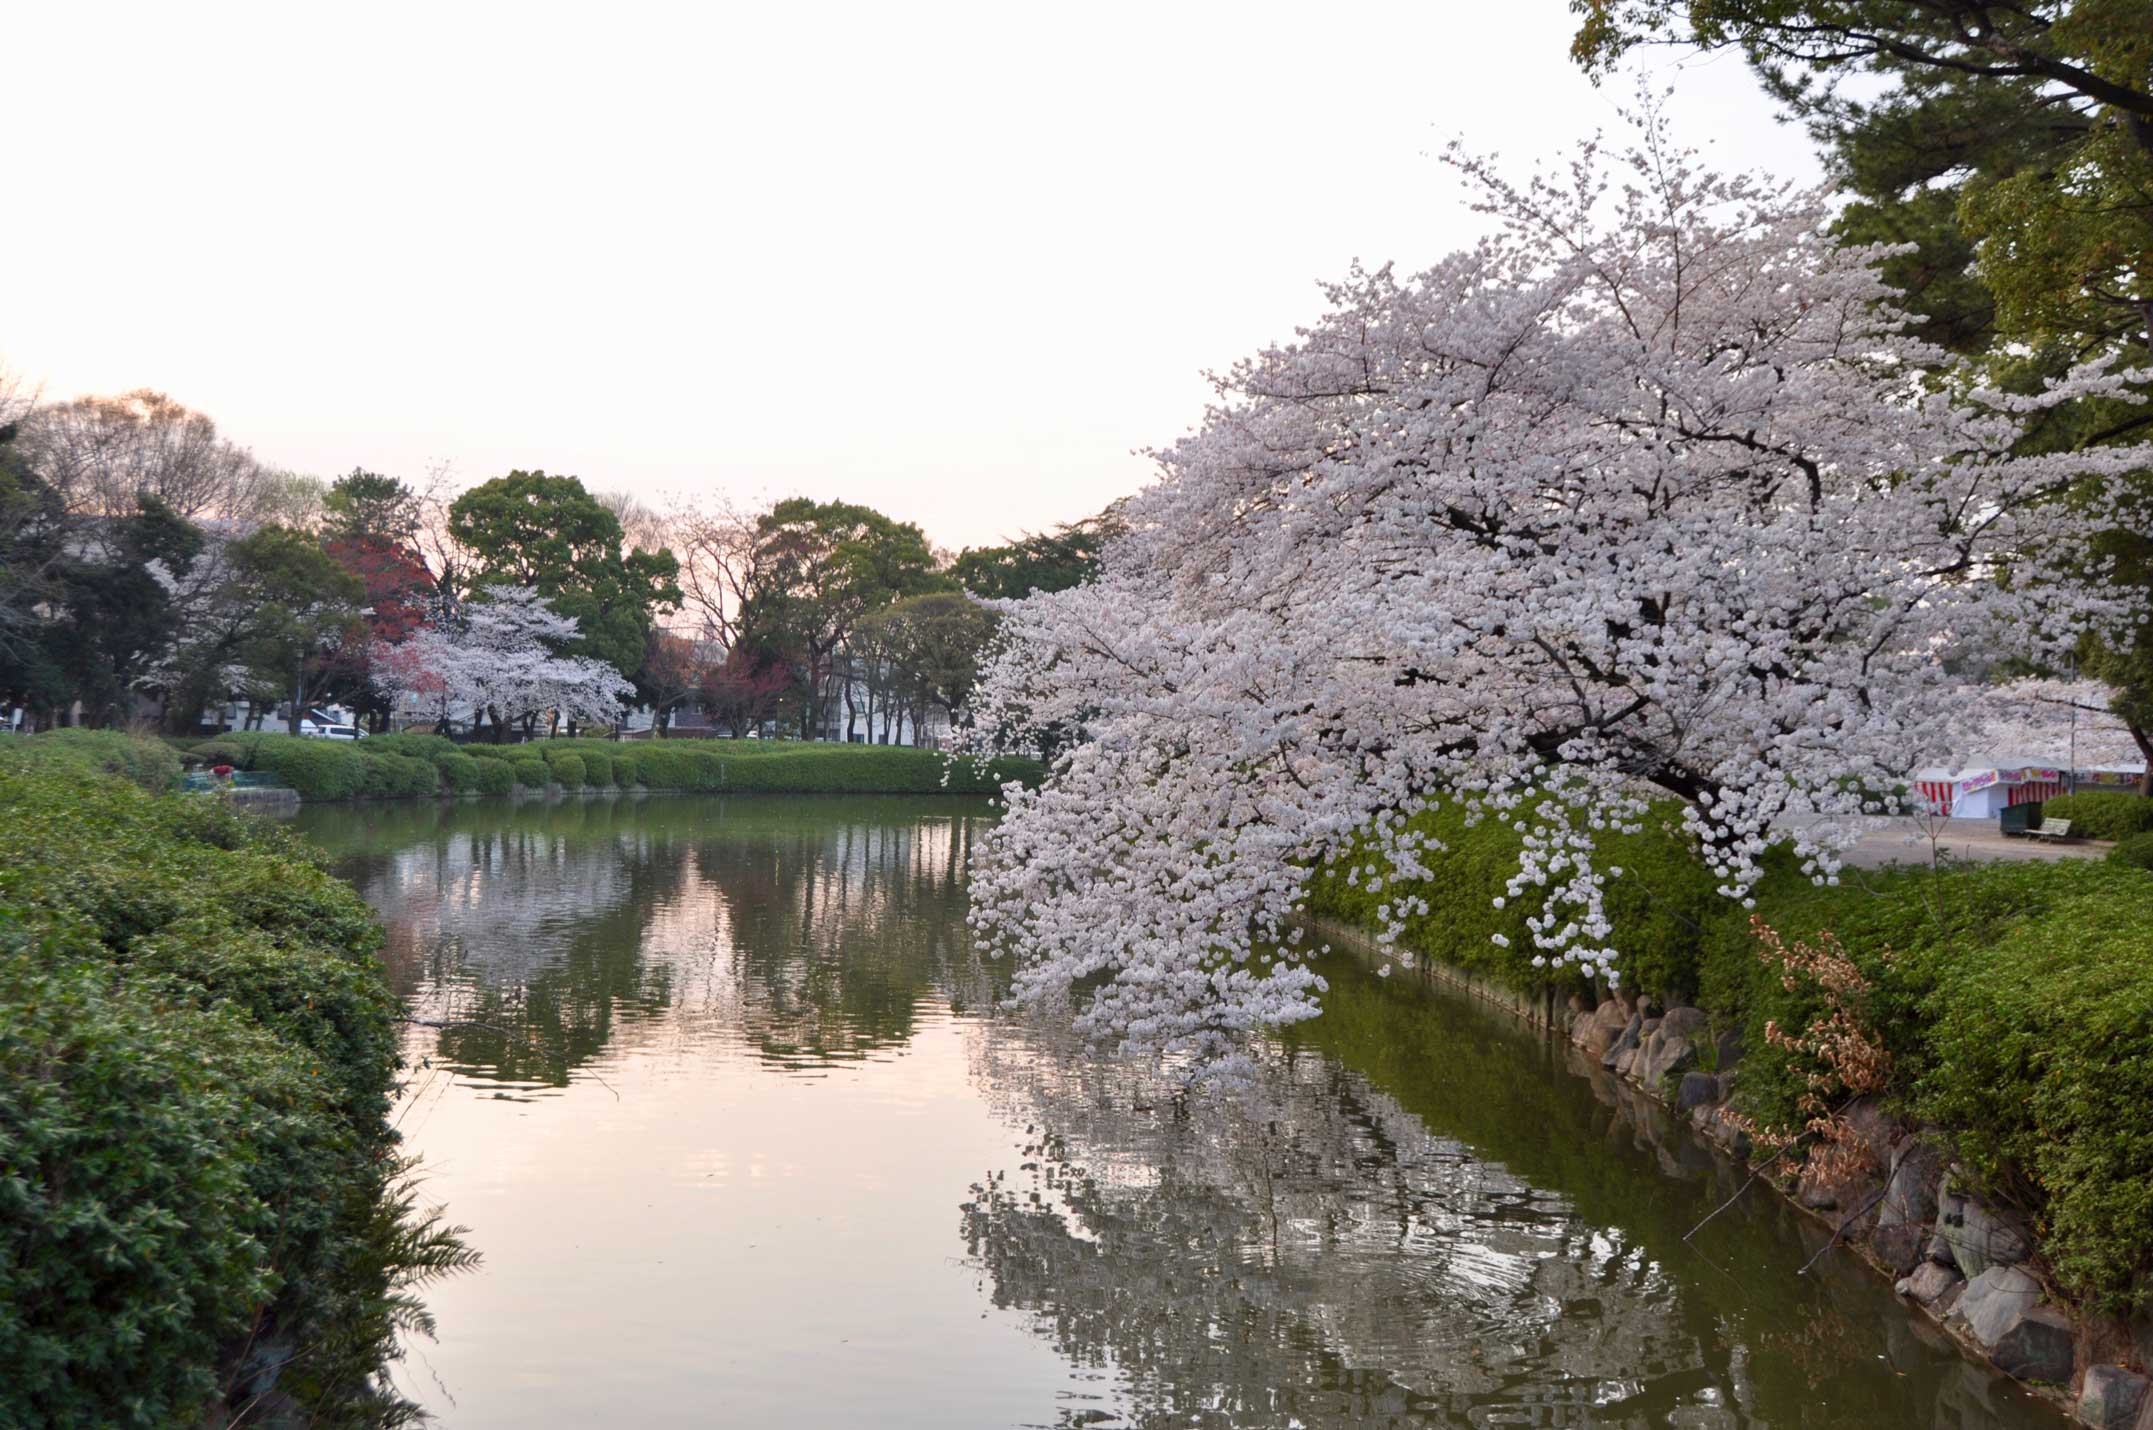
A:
[1648,492]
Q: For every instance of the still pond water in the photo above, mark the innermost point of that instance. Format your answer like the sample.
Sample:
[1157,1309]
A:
[729,1119]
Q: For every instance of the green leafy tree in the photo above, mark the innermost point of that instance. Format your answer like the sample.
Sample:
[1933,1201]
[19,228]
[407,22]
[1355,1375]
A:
[548,533]
[369,508]
[926,651]
[111,618]
[820,567]
[304,605]
[33,519]
[1043,561]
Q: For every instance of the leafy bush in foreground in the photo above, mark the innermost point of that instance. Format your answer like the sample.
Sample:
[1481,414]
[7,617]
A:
[196,1054]
[151,764]
[2136,851]
[2039,1053]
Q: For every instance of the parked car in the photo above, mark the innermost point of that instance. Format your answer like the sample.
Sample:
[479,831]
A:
[310,730]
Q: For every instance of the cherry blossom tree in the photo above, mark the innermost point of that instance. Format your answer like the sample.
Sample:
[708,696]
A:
[499,653]
[1648,493]
[2067,723]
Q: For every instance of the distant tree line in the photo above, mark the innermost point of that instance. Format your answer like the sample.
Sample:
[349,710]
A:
[150,568]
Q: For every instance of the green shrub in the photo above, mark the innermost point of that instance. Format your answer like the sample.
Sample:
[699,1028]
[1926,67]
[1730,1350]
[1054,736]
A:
[2136,851]
[495,776]
[597,769]
[196,1055]
[398,776]
[423,744]
[530,773]
[2102,814]
[479,751]
[568,770]
[458,772]
[237,748]
[317,769]
[2041,1064]
[674,764]
[625,770]
[152,764]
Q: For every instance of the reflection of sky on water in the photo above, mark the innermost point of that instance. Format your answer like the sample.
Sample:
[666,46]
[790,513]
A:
[717,1095]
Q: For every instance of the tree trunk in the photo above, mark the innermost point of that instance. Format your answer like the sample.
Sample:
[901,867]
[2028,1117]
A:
[299,690]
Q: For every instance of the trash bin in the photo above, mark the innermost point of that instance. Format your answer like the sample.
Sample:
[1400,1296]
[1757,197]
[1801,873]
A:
[2018,818]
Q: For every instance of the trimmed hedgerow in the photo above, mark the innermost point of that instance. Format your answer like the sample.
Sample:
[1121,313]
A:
[458,772]
[398,776]
[2102,814]
[530,773]
[196,1054]
[495,777]
[385,767]
[567,770]
[152,764]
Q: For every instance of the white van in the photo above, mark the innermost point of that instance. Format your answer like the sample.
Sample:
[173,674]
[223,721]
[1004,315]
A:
[310,730]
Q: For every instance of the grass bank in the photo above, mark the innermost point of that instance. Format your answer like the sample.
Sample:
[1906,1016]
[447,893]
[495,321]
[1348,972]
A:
[412,766]
[2012,1004]
[202,1211]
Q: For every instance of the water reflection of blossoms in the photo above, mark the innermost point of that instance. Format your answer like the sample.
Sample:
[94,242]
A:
[1308,1252]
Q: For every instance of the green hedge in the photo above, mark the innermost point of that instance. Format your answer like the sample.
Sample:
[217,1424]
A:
[2039,1057]
[2136,851]
[392,767]
[495,777]
[152,764]
[458,772]
[196,1055]
[530,773]
[2102,814]
[399,776]
[389,766]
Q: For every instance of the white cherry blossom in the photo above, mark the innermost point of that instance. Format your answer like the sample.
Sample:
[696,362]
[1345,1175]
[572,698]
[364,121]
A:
[500,652]
[1647,494]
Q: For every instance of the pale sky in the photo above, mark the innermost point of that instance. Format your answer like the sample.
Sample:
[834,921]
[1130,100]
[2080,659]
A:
[955,262]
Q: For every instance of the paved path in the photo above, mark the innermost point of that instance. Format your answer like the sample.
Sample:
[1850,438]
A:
[1906,841]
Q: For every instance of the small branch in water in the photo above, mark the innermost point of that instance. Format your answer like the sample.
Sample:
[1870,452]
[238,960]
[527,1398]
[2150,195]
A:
[451,1023]
[1851,1217]
[1756,1172]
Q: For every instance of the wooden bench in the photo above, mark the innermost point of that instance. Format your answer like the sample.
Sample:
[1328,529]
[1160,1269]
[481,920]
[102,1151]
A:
[2049,829]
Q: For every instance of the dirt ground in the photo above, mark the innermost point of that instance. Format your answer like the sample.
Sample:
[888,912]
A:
[1907,841]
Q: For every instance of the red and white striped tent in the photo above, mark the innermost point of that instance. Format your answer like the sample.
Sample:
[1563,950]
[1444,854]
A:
[1985,791]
